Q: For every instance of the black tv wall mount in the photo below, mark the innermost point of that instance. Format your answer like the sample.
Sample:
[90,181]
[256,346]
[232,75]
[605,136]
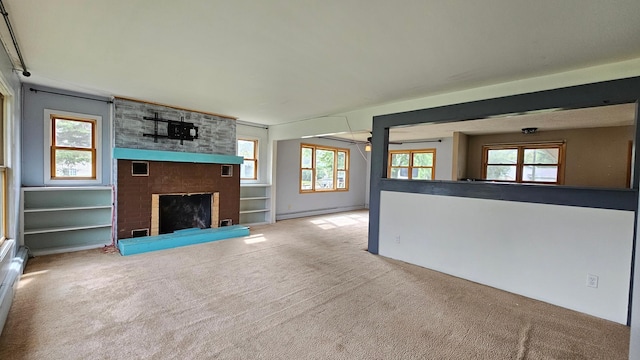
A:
[177,130]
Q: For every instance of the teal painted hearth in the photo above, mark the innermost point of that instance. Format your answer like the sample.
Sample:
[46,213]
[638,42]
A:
[175,156]
[179,238]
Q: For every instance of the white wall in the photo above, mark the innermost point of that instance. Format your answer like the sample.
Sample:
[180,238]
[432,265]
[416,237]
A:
[261,134]
[291,203]
[537,250]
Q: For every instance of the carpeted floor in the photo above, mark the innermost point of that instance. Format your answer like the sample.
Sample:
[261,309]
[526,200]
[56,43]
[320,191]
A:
[299,289]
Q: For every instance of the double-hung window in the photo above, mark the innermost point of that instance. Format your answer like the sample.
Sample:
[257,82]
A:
[74,148]
[524,163]
[323,168]
[412,164]
[249,168]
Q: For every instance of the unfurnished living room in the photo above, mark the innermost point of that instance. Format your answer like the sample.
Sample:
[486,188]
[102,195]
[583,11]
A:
[282,179]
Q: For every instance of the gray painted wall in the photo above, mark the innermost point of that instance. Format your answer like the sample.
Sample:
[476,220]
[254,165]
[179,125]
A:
[290,203]
[33,129]
[216,135]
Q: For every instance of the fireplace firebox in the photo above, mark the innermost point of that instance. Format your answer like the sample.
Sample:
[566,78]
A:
[172,212]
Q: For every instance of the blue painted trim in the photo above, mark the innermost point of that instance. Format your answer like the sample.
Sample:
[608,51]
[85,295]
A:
[180,238]
[599,198]
[175,156]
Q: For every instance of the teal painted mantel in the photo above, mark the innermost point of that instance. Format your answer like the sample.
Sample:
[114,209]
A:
[175,156]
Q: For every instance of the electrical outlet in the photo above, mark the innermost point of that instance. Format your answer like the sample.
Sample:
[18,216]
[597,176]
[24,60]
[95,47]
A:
[397,239]
[592,280]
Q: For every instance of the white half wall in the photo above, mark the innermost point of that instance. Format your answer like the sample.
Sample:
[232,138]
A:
[541,251]
[290,203]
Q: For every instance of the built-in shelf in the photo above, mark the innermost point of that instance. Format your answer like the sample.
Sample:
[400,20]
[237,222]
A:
[253,211]
[62,219]
[255,204]
[68,208]
[63,228]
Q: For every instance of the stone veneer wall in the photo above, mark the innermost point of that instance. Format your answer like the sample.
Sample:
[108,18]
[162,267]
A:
[216,134]
[134,192]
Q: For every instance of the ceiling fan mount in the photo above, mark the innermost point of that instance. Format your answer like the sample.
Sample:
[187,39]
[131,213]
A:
[390,142]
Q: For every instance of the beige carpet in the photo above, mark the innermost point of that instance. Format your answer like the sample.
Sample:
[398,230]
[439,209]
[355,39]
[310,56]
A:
[299,289]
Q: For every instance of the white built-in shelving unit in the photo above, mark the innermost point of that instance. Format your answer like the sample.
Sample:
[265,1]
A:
[63,219]
[255,204]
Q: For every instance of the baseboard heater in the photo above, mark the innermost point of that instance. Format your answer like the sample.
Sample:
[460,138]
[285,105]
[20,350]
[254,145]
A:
[9,285]
[313,212]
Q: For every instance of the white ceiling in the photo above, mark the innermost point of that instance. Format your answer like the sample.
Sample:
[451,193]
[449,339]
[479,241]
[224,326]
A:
[553,119]
[279,61]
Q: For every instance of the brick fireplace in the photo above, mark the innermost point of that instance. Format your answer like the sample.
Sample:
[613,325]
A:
[150,166]
[135,193]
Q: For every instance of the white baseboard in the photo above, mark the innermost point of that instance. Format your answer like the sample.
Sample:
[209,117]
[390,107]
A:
[300,214]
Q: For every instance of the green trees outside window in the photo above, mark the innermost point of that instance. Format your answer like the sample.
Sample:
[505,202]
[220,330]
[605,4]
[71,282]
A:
[73,150]
[412,164]
[526,163]
[323,168]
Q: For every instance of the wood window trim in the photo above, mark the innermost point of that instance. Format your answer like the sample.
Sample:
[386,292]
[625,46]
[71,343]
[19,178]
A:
[560,145]
[4,203]
[313,167]
[54,147]
[411,166]
[254,159]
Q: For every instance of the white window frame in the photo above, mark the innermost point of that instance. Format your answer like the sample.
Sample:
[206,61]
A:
[48,114]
